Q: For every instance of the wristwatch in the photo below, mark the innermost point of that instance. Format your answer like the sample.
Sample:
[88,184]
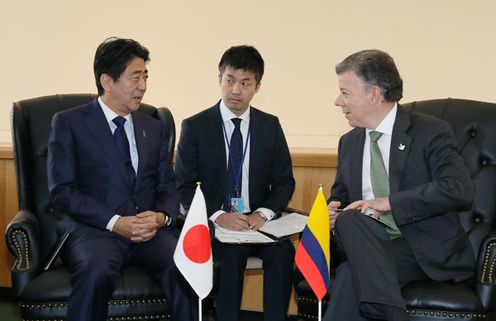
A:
[167,220]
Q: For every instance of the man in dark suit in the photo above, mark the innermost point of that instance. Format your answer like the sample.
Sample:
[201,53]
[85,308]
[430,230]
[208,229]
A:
[240,156]
[399,180]
[110,176]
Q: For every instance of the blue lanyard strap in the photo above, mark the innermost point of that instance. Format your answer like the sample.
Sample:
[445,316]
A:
[238,175]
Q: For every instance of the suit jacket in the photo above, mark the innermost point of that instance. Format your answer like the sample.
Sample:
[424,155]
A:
[201,156]
[428,182]
[88,180]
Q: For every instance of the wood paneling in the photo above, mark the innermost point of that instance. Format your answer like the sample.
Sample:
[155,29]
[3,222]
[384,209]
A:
[311,167]
[8,209]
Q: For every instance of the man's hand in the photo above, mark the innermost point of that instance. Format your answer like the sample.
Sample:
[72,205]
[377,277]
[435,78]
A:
[375,206]
[139,228]
[333,214]
[256,221]
[233,221]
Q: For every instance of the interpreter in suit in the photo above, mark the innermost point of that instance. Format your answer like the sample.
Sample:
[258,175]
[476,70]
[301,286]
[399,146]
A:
[114,186]
[240,156]
[399,179]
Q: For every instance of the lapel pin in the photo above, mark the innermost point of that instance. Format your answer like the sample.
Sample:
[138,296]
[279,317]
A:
[401,147]
[144,133]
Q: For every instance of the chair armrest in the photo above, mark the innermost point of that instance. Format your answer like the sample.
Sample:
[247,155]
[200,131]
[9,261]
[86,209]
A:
[23,241]
[485,276]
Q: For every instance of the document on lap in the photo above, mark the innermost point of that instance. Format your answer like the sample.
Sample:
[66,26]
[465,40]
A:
[239,237]
[271,232]
[286,225]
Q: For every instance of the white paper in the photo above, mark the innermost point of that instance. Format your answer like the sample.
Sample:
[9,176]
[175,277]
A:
[239,237]
[281,227]
[285,225]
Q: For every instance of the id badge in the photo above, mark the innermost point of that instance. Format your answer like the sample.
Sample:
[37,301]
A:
[237,204]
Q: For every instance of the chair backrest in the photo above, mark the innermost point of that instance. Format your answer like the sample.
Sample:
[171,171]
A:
[31,120]
[474,125]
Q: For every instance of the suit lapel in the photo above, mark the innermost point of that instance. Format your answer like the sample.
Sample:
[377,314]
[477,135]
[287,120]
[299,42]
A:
[215,136]
[400,148]
[98,127]
[141,144]
[355,160]
[256,132]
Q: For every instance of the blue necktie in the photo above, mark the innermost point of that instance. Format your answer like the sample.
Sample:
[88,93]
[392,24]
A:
[122,144]
[235,162]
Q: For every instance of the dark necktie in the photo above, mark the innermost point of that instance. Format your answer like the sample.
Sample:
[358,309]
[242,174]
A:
[122,144]
[235,162]
[380,182]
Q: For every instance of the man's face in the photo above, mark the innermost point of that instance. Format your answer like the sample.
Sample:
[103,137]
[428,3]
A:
[124,95]
[355,100]
[238,88]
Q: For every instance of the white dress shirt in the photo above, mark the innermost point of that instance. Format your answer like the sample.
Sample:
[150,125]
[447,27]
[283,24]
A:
[384,142]
[227,115]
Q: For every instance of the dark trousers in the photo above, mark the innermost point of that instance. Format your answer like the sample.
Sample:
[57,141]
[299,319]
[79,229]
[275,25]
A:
[374,269]
[96,258]
[278,272]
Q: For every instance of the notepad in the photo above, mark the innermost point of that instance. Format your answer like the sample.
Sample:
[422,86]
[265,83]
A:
[273,231]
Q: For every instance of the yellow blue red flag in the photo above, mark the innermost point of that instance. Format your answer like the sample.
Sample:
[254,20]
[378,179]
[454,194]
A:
[313,255]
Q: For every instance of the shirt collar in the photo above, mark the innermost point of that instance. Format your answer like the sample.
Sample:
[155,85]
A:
[110,114]
[227,115]
[387,124]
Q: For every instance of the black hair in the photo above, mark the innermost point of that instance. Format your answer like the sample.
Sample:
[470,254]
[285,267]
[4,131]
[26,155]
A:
[243,57]
[113,56]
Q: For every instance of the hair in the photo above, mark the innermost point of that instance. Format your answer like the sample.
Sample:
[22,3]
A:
[243,57]
[375,68]
[113,56]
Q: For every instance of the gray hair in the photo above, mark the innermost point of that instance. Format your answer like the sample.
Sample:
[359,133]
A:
[375,68]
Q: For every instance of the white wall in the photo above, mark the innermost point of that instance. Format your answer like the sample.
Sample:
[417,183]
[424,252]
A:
[442,48]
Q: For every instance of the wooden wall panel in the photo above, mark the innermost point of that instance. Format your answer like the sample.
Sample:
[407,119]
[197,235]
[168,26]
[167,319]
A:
[8,209]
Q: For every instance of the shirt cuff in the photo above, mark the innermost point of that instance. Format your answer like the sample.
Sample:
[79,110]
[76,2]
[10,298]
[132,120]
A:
[214,216]
[269,214]
[111,223]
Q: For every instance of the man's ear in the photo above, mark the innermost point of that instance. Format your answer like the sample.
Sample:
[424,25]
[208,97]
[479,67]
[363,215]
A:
[257,87]
[105,82]
[376,95]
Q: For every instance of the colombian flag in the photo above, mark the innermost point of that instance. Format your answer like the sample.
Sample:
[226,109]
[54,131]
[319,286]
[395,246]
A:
[313,253]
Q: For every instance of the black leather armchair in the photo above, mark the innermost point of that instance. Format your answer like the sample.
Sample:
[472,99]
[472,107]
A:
[31,234]
[474,125]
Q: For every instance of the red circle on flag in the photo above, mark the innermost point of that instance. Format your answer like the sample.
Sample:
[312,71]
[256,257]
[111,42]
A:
[196,244]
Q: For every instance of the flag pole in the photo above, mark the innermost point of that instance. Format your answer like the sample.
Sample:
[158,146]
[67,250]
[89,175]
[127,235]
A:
[320,310]
[199,309]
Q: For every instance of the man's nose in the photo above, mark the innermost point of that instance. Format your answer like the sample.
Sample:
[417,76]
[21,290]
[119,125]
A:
[142,83]
[236,88]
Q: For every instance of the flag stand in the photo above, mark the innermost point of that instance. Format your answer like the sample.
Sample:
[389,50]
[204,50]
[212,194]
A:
[199,309]
[320,310]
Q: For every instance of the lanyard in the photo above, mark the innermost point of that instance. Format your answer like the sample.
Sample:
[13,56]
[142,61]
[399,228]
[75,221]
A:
[238,175]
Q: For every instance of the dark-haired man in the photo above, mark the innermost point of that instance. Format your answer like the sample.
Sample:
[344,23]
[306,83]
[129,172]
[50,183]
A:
[240,156]
[111,179]
[399,180]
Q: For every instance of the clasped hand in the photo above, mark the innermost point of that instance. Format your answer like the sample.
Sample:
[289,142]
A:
[140,227]
[238,222]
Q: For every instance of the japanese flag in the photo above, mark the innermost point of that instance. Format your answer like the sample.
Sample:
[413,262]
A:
[193,255]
